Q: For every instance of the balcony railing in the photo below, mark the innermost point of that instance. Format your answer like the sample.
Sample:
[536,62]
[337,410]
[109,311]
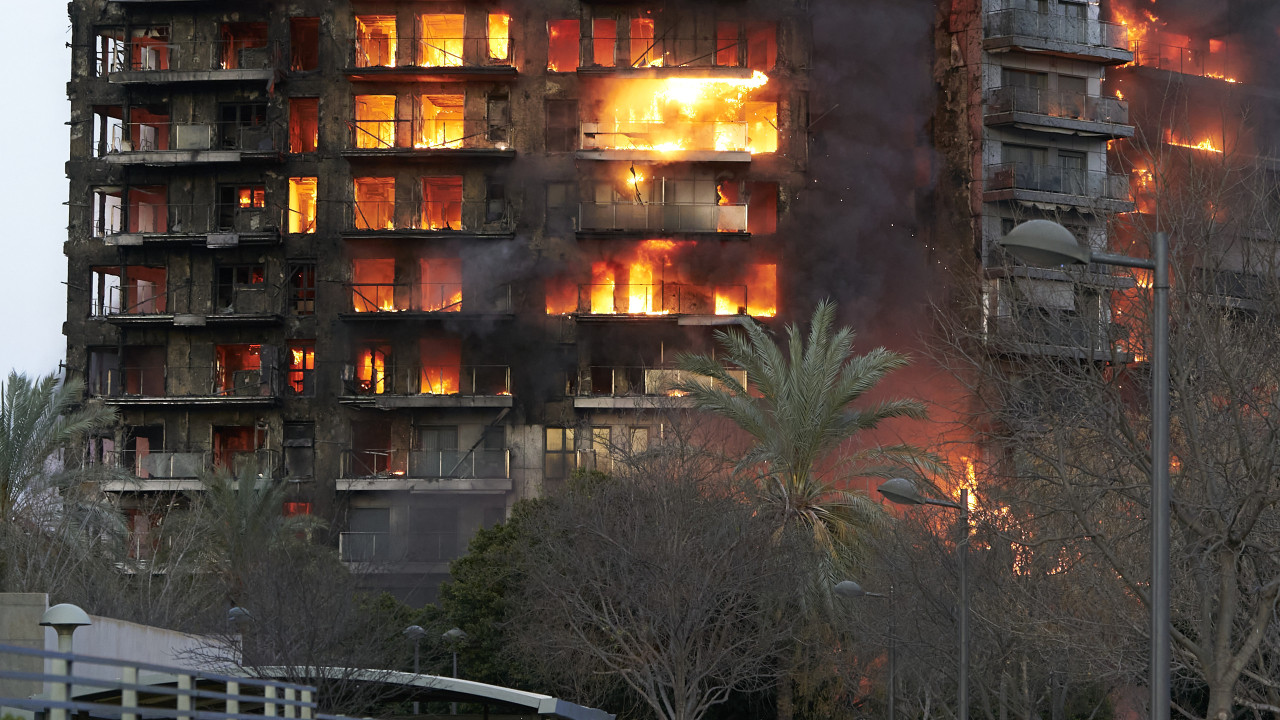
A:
[407,135]
[623,381]
[188,219]
[467,216]
[1068,105]
[1049,178]
[665,217]
[726,136]
[1188,61]
[425,464]
[197,55]
[184,382]
[141,137]
[426,297]
[180,465]
[660,299]
[466,380]
[433,52]
[134,301]
[1057,28]
[364,547]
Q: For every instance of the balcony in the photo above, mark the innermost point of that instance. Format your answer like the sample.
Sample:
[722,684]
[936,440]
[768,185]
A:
[436,386]
[165,144]
[200,385]
[1059,35]
[662,299]
[177,471]
[445,471]
[687,141]
[429,139]
[422,548]
[144,62]
[425,59]
[381,301]
[453,218]
[1056,112]
[194,223]
[630,217]
[1083,189]
[635,387]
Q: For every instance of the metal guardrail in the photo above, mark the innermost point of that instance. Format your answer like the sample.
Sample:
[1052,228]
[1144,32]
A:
[1057,27]
[147,55]
[721,136]
[426,297]
[188,219]
[622,381]
[473,216]
[139,137]
[1051,178]
[410,51]
[660,299]
[428,464]
[185,382]
[1060,104]
[1187,61]
[466,380]
[668,217]
[238,696]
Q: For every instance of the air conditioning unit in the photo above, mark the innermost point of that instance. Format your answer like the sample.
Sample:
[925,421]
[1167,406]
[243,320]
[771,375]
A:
[193,137]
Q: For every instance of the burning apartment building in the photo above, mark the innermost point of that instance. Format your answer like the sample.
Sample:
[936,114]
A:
[419,260]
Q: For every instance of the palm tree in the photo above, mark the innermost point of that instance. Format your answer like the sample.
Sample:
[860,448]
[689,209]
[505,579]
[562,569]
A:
[800,414]
[54,520]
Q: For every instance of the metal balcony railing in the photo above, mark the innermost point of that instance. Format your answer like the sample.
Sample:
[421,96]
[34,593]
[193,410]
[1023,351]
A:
[660,299]
[134,299]
[143,55]
[429,464]
[409,51]
[127,138]
[188,219]
[426,297]
[721,136]
[466,380]
[385,134]
[666,217]
[1069,105]
[184,382]
[181,465]
[1057,28]
[245,299]
[470,216]
[1049,178]
[1188,61]
[623,381]
[364,547]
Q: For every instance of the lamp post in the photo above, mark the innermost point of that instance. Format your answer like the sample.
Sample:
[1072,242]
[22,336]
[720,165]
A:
[415,633]
[1046,243]
[851,589]
[453,636]
[903,492]
[64,619]
[237,621]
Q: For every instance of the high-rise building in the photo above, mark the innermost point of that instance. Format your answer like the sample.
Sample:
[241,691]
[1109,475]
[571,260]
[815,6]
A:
[418,259]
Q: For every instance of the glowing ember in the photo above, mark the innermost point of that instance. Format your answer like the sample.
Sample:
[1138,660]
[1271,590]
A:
[1206,145]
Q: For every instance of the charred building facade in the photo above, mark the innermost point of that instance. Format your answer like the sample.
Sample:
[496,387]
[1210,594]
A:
[419,260]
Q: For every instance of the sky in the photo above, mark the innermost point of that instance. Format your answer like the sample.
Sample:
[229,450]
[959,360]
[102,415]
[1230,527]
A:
[33,193]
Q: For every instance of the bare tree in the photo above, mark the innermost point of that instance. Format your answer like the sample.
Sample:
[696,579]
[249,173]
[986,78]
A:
[675,587]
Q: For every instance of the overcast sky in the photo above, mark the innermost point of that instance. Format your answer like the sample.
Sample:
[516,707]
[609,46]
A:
[33,192]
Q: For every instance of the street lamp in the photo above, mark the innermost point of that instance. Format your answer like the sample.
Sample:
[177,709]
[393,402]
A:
[415,633]
[1046,243]
[64,619]
[851,589]
[903,492]
[454,636]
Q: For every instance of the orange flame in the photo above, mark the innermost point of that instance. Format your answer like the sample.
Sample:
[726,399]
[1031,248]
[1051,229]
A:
[499,36]
[677,114]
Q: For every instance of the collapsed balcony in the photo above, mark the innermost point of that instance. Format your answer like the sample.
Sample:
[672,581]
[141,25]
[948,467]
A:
[634,387]
[446,471]
[1075,36]
[1084,189]
[1058,111]
[150,55]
